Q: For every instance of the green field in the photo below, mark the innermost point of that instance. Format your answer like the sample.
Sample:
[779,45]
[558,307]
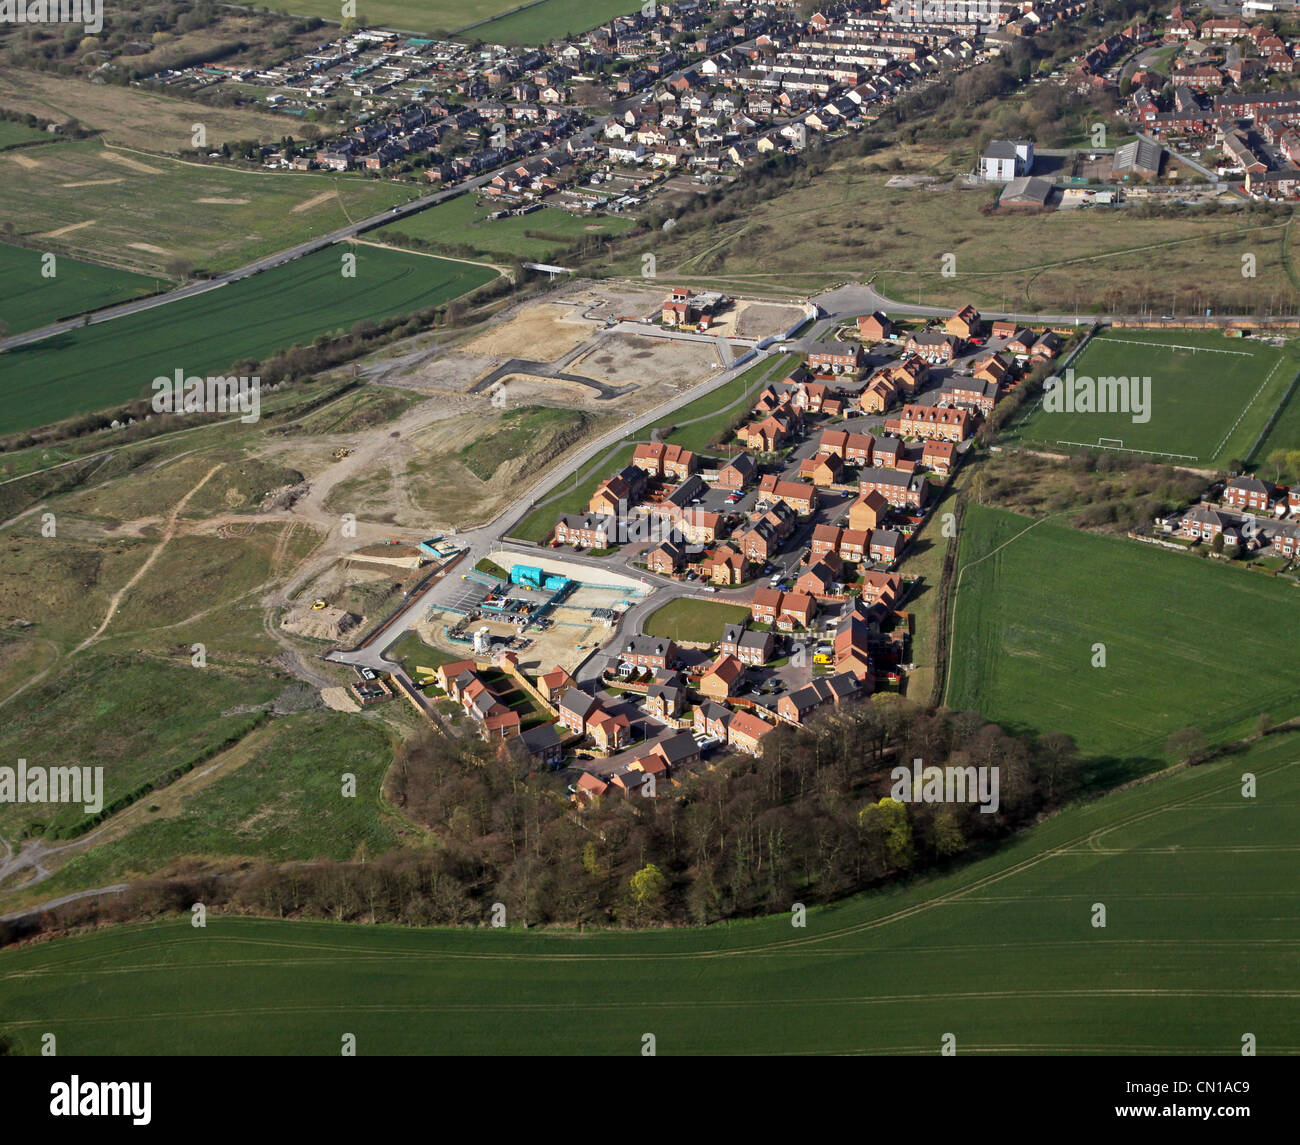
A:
[12,134]
[1209,396]
[698,423]
[1285,432]
[145,212]
[28,299]
[1187,642]
[689,619]
[551,20]
[1203,920]
[126,716]
[289,305]
[463,221]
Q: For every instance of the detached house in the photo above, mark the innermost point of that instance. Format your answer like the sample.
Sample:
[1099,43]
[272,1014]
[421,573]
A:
[722,678]
[738,473]
[965,324]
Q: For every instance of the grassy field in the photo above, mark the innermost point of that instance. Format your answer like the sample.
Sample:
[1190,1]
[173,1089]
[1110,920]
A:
[464,221]
[517,433]
[1001,953]
[277,796]
[412,652]
[151,121]
[135,717]
[1285,433]
[289,305]
[698,421]
[691,619]
[551,19]
[1187,642]
[851,226]
[12,134]
[1209,396]
[142,212]
[28,299]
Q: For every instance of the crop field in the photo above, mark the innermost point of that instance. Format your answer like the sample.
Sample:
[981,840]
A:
[1203,921]
[1210,396]
[462,222]
[693,619]
[144,212]
[1187,642]
[288,305]
[540,23]
[28,299]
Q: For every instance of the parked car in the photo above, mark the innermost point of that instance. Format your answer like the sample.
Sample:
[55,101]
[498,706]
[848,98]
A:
[708,588]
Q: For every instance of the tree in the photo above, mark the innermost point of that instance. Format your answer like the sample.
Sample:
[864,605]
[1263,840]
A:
[1185,744]
[1217,543]
[889,820]
[946,834]
[648,887]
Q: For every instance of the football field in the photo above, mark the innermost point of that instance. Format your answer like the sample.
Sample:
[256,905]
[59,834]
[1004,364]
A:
[1186,396]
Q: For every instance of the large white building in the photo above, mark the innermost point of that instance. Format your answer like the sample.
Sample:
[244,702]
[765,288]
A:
[1006,159]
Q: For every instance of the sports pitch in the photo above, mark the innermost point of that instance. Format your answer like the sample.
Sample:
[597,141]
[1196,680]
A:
[115,362]
[1188,642]
[1210,396]
[1199,948]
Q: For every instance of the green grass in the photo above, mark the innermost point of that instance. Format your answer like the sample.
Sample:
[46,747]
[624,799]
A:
[411,651]
[143,211]
[285,803]
[12,134]
[28,299]
[1198,883]
[1285,432]
[1207,406]
[464,222]
[517,433]
[712,408]
[689,619]
[115,362]
[551,19]
[1188,642]
[135,717]
[427,16]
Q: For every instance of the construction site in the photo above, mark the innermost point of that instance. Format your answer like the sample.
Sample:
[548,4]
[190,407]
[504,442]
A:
[547,612]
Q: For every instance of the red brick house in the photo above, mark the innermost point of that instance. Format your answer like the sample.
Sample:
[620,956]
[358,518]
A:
[938,455]
[947,424]
[1247,493]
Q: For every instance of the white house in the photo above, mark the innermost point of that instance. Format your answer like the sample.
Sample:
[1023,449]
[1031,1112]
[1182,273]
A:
[1005,159]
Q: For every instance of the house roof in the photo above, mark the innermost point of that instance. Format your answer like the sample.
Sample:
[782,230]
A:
[678,748]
